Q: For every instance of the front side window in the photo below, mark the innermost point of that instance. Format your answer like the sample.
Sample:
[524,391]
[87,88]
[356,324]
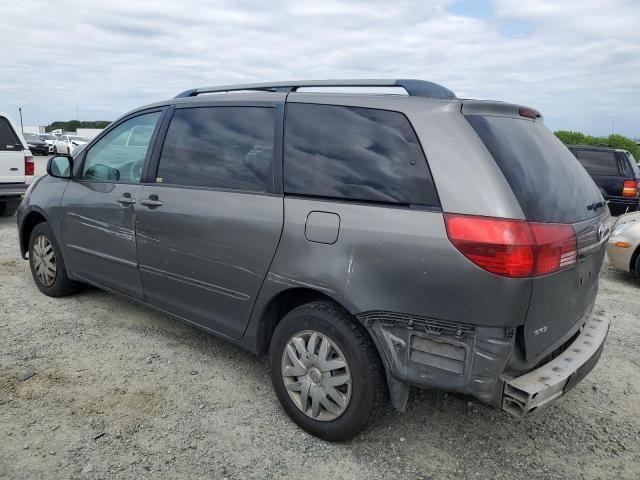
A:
[115,158]
[355,153]
[220,147]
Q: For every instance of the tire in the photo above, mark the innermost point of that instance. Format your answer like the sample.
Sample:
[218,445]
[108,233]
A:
[7,209]
[363,397]
[637,266]
[60,285]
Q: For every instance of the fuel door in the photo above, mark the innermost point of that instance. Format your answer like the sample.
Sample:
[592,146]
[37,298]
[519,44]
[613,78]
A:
[322,227]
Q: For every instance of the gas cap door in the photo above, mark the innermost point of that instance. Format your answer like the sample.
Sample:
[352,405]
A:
[322,227]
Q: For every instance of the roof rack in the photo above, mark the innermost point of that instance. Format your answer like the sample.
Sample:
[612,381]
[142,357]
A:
[415,88]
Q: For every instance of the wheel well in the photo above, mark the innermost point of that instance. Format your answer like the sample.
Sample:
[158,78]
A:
[29,223]
[278,307]
[634,258]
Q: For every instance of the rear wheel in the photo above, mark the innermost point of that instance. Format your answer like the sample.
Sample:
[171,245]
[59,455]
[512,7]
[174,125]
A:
[47,265]
[7,209]
[326,371]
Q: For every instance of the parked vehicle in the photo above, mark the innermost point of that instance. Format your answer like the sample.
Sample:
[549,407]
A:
[16,166]
[68,144]
[367,242]
[37,146]
[49,138]
[623,247]
[616,173]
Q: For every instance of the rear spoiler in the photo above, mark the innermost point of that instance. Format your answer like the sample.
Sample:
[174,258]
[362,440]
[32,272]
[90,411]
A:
[499,109]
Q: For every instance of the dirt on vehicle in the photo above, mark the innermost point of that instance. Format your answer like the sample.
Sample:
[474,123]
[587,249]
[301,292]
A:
[93,386]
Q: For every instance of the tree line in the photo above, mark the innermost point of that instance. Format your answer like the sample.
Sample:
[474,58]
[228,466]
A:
[616,141]
[73,125]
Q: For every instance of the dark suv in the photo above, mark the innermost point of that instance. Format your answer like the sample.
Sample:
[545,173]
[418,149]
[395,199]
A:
[616,173]
[368,242]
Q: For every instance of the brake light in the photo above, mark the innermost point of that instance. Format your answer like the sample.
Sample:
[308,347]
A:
[513,248]
[29,166]
[630,188]
[529,113]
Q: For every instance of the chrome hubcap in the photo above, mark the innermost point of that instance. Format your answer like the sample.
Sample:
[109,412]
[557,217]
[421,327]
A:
[316,375]
[43,259]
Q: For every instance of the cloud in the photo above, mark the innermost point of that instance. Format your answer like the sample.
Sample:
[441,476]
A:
[578,64]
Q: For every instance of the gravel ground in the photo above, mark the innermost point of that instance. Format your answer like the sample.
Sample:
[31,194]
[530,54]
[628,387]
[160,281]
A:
[93,386]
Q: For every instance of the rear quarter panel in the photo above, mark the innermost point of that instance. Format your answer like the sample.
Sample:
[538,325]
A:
[393,259]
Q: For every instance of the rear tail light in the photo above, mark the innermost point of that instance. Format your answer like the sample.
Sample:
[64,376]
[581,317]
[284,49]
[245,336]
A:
[630,188]
[29,165]
[513,248]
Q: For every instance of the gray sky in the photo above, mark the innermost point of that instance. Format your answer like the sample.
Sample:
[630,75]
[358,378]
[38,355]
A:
[578,62]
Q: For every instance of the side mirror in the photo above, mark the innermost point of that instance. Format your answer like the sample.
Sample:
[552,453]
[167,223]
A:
[60,166]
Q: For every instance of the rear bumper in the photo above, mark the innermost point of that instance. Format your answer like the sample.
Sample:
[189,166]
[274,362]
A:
[526,393]
[12,190]
[627,203]
[474,360]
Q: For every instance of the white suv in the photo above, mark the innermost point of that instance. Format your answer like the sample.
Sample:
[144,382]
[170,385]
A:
[16,166]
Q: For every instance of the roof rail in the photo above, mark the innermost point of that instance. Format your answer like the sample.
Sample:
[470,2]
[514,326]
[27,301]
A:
[415,88]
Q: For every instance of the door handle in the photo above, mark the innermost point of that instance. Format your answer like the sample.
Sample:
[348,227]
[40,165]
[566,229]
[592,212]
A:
[126,199]
[152,202]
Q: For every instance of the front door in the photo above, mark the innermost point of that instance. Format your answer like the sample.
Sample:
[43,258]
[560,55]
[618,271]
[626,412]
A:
[208,229]
[98,214]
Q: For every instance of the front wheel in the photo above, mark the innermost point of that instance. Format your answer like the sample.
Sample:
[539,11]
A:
[47,265]
[326,371]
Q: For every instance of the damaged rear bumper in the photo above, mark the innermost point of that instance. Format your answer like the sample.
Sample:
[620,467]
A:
[526,393]
[474,360]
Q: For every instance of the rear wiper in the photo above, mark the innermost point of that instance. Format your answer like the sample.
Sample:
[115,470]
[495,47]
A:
[596,205]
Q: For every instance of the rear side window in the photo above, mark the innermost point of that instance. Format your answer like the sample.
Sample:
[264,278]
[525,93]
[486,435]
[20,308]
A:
[634,165]
[8,138]
[545,177]
[355,153]
[220,147]
[598,162]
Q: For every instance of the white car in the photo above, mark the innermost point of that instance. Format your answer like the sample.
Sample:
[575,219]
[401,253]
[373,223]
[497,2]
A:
[48,138]
[17,167]
[66,144]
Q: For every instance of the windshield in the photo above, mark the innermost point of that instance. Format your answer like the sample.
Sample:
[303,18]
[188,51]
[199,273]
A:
[547,180]
[80,139]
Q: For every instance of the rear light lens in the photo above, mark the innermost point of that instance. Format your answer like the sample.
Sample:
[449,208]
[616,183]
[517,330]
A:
[529,113]
[29,166]
[630,188]
[513,248]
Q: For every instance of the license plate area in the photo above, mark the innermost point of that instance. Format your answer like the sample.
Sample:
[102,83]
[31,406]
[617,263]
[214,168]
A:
[588,270]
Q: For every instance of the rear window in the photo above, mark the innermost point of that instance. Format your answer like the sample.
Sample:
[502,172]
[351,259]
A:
[8,138]
[355,153]
[598,162]
[545,177]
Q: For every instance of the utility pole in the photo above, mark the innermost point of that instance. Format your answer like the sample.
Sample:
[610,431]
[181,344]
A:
[21,126]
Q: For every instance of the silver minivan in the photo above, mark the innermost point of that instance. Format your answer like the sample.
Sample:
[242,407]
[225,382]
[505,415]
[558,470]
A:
[367,242]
